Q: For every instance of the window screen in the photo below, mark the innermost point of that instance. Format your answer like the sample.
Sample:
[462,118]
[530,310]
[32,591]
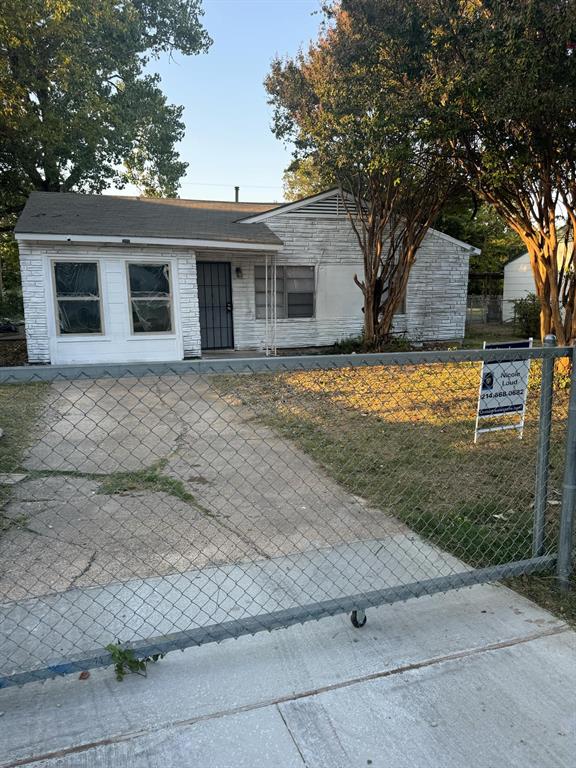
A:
[150,298]
[77,291]
[294,291]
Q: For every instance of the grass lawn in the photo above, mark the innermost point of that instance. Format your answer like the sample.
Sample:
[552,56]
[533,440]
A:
[20,406]
[402,438]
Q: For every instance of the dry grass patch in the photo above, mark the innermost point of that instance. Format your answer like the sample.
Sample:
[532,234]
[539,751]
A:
[402,438]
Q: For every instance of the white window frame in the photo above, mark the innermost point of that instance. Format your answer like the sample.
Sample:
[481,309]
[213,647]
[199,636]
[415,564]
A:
[286,292]
[102,331]
[143,334]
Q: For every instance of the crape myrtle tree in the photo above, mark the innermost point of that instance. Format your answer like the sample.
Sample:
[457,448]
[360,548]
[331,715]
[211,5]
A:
[500,92]
[347,107]
[78,110]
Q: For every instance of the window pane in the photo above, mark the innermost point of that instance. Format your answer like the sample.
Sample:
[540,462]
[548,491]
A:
[149,280]
[261,285]
[79,316]
[76,279]
[300,272]
[303,284]
[300,304]
[261,298]
[151,316]
[260,272]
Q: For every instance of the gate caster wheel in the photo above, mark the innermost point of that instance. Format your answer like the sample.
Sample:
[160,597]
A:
[358,619]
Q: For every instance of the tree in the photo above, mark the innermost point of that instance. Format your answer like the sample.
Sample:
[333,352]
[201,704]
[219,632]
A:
[75,102]
[480,225]
[304,177]
[343,105]
[77,111]
[500,90]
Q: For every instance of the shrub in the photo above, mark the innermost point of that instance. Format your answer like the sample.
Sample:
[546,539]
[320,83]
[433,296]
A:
[11,306]
[527,315]
[353,344]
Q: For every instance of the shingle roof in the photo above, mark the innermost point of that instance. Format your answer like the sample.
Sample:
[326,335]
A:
[70,213]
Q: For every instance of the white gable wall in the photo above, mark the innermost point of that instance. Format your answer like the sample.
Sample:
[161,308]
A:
[519,280]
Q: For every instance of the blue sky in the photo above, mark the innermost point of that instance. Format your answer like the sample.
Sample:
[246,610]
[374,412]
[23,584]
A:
[228,138]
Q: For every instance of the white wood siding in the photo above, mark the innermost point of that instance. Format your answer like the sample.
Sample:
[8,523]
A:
[117,343]
[435,303]
[436,296]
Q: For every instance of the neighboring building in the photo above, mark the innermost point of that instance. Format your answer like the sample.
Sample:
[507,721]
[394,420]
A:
[519,281]
[121,279]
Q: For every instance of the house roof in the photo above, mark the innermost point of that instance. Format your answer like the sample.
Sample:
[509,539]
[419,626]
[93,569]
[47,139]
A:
[72,214]
[198,223]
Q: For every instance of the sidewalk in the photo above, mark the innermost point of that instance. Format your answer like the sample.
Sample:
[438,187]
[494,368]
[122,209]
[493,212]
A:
[480,678]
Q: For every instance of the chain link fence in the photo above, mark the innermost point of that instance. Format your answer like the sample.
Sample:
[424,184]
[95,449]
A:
[166,506]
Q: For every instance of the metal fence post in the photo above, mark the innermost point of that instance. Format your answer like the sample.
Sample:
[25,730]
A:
[566,533]
[543,453]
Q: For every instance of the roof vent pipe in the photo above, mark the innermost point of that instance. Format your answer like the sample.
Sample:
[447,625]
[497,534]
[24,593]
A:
[236,194]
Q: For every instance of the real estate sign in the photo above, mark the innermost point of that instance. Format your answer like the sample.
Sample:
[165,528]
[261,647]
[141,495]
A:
[503,388]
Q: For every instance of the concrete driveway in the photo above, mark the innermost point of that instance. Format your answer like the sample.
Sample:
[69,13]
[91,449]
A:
[252,495]
[237,522]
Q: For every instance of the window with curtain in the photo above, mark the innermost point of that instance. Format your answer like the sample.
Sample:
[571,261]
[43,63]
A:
[150,298]
[295,289]
[77,290]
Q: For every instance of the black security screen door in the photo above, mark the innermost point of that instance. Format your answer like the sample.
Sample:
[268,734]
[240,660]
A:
[215,301]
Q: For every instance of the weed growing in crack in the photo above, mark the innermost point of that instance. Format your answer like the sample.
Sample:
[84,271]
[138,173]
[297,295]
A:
[126,662]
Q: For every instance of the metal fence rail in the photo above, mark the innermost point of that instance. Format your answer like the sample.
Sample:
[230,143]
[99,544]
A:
[169,505]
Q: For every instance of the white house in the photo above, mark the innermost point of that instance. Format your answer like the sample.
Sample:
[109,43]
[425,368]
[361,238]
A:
[519,281]
[121,279]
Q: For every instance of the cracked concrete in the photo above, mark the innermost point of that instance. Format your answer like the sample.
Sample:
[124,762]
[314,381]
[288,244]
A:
[267,498]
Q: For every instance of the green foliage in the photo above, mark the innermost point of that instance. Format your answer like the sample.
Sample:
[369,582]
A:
[79,112]
[358,344]
[147,479]
[499,89]
[305,177]
[10,291]
[77,103]
[345,107]
[126,662]
[20,407]
[480,226]
[527,315]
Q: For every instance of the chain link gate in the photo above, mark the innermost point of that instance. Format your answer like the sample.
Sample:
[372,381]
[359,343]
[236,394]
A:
[170,505]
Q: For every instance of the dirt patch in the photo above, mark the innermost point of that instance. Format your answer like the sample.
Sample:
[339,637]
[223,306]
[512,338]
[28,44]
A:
[13,352]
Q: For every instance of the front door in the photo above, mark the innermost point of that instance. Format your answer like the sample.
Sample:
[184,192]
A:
[215,302]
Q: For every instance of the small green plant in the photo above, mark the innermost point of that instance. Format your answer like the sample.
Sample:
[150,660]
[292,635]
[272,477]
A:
[357,344]
[126,662]
[527,315]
